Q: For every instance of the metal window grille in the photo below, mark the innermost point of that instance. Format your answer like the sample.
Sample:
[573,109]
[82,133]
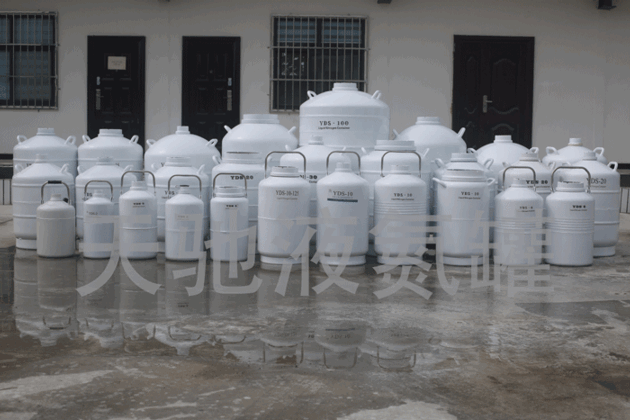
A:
[28,60]
[312,53]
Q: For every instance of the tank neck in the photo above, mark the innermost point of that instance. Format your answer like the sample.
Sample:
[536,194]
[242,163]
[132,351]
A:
[590,155]
[229,191]
[395,145]
[570,186]
[40,158]
[428,121]
[138,186]
[184,190]
[575,141]
[529,157]
[316,141]
[182,129]
[110,132]
[242,157]
[519,183]
[45,131]
[503,139]
[343,167]
[400,170]
[463,157]
[105,161]
[337,87]
[56,197]
[179,161]
[260,119]
[285,172]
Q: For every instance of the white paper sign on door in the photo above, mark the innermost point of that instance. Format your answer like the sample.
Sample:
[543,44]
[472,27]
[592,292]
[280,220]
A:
[116,63]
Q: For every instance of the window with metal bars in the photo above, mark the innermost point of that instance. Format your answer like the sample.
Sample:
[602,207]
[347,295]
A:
[28,60]
[312,53]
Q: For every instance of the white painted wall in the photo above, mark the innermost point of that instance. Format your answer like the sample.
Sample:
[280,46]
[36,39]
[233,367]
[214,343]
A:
[582,58]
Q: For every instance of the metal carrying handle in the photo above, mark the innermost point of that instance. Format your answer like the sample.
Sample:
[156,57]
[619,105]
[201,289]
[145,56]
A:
[181,175]
[588,187]
[55,183]
[342,151]
[137,172]
[214,180]
[519,167]
[285,153]
[399,151]
[111,187]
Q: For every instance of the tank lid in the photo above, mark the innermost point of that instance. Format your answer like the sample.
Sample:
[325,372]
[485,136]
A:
[105,160]
[98,194]
[399,169]
[570,186]
[345,86]
[138,185]
[530,156]
[45,131]
[182,129]
[183,189]
[41,157]
[316,140]
[177,161]
[343,167]
[260,119]
[575,141]
[117,132]
[519,183]
[243,157]
[503,139]
[56,197]
[465,175]
[285,171]
[392,145]
[229,191]
[463,157]
[590,155]
[428,120]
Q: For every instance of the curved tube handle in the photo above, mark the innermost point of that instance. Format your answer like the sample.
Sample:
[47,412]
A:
[461,131]
[18,168]
[490,181]
[488,163]
[137,172]
[342,151]
[397,151]
[85,138]
[613,165]
[292,130]
[396,133]
[377,95]
[21,138]
[354,362]
[439,163]
[212,143]
[214,180]
[54,183]
[64,168]
[111,187]
[519,167]
[471,150]
[311,94]
[216,159]
[551,150]
[70,140]
[378,361]
[572,167]
[227,128]
[599,151]
[150,142]
[134,139]
[534,149]
[439,181]
[168,185]
[285,153]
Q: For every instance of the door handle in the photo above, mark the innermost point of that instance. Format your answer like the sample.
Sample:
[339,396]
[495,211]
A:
[485,103]
[98,99]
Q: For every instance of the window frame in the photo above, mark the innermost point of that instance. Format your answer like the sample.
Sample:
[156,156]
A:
[319,45]
[51,49]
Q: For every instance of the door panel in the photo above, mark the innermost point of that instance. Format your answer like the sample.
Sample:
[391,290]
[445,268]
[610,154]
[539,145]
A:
[116,92]
[502,70]
[210,85]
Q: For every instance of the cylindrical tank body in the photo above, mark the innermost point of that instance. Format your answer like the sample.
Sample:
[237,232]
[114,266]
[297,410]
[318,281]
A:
[461,194]
[26,197]
[400,193]
[572,153]
[105,169]
[57,150]
[606,190]
[138,221]
[55,229]
[518,212]
[112,143]
[430,135]
[345,118]
[342,195]
[252,166]
[502,151]
[182,144]
[283,204]
[570,225]
[184,214]
[260,133]
[228,216]
[98,230]
[186,175]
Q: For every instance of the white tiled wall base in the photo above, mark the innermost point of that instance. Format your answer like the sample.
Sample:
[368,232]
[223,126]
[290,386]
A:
[5,191]
[625,200]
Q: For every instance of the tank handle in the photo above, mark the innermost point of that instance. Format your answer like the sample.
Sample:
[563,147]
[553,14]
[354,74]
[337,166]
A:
[216,159]
[399,151]
[19,168]
[599,151]
[201,169]
[471,150]
[212,143]
[488,163]
[85,138]
[377,95]
[292,130]
[439,181]
[519,167]
[111,187]
[150,142]
[551,150]
[439,163]
[285,153]
[396,133]
[613,165]
[55,183]
[214,180]
[137,172]
[227,128]
[342,151]
[534,150]
[134,139]
[311,94]
[461,132]
[70,140]
[168,185]
[588,190]
[21,138]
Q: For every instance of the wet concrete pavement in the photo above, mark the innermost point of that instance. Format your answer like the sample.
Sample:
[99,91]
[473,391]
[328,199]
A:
[479,353]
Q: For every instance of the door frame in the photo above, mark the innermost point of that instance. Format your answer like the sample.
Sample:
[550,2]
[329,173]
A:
[91,83]
[186,84]
[529,43]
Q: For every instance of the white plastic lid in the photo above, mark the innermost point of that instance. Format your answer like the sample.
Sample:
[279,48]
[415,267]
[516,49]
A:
[463,175]
[98,194]
[463,157]
[260,119]
[229,191]
[56,197]
[343,167]
[45,131]
[182,129]
[138,185]
[110,132]
[285,171]
[575,141]
[428,120]
[570,186]
[184,189]
[242,157]
[395,145]
[345,86]
[177,161]
[316,140]
[519,183]
[590,155]
[530,156]
[503,139]
[399,169]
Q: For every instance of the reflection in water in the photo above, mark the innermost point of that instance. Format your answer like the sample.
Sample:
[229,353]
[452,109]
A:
[137,307]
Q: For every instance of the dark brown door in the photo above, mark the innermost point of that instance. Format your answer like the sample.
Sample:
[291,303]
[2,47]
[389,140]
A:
[116,84]
[211,85]
[493,83]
